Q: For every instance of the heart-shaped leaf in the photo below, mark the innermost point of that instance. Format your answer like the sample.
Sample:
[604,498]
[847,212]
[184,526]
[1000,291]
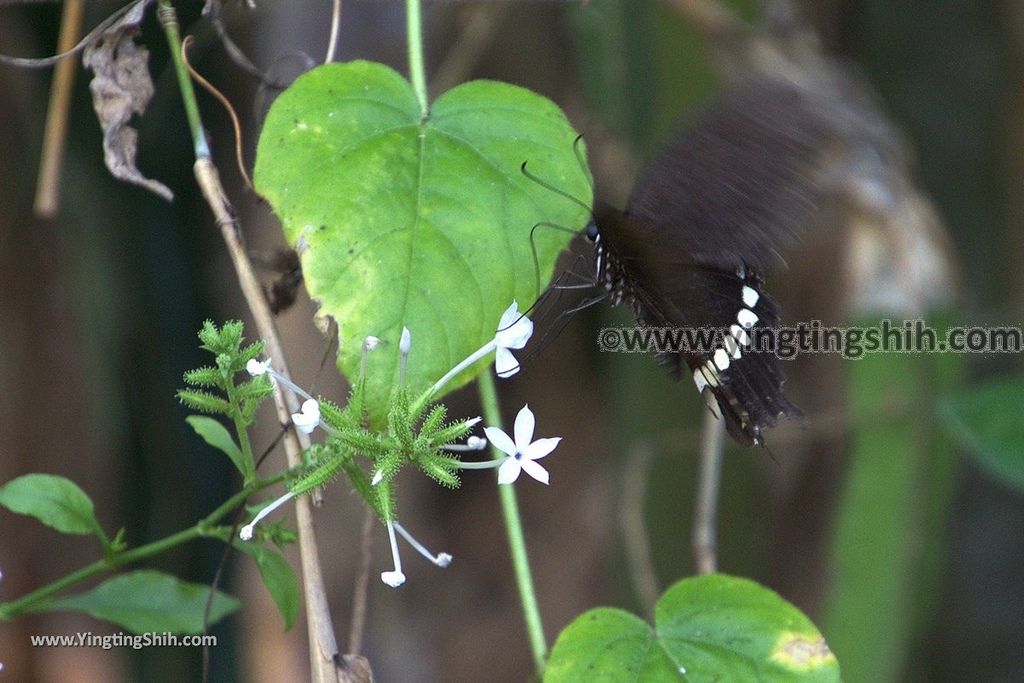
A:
[421,223]
[708,628]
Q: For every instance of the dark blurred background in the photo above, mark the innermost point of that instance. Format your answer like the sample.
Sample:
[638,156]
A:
[907,554]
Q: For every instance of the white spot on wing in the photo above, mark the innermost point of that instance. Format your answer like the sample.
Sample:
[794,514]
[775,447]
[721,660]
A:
[721,359]
[731,346]
[710,373]
[746,318]
[740,335]
[698,379]
[750,296]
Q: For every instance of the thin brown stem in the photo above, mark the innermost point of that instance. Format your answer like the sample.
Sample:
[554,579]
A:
[362,584]
[185,44]
[47,201]
[323,645]
[634,527]
[705,536]
[332,44]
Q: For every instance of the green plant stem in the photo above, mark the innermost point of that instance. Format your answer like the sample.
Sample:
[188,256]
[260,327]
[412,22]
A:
[169,20]
[39,598]
[516,541]
[414,35]
[248,460]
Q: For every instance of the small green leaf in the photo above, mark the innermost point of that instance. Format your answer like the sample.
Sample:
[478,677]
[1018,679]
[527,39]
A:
[988,420]
[203,401]
[215,434]
[279,578]
[55,501]
[425,224]
[709,628]
[150,601]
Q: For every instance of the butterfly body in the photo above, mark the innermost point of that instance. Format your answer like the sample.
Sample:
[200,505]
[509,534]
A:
[711,215]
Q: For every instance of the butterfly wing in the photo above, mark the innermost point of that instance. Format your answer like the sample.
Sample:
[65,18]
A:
[740,382]
[739,186]
[714,210]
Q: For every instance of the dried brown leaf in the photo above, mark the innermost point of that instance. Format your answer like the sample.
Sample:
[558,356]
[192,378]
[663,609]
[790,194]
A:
[121,88]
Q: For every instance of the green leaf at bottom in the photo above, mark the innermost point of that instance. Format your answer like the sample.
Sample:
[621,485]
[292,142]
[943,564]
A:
[708,629]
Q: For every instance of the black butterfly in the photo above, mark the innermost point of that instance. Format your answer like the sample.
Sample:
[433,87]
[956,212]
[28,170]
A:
[705,221]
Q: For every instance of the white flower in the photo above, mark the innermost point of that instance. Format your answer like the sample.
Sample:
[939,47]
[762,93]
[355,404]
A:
[522,454]
[393,579]
[309,418]
[246,532]
[263,367]
[396,577]
[257,367]
[514,330]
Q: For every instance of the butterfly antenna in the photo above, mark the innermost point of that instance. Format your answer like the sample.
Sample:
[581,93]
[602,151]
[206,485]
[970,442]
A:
[533,249]
[562,321]
[577,148]
[561,193]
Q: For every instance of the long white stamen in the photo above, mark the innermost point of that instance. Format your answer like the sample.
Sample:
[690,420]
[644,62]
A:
[369,344]
[393,578]
[288,383]
[473,443]
[246,533]
[483,465]
[441,559]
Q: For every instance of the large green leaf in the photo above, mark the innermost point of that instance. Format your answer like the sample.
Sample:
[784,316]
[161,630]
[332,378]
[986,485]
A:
[708,628]
[55,501]
[149,601]
[418,223]
[990,421]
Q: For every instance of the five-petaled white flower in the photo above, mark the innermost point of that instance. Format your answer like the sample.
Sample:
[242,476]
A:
[514,330]
[523,453]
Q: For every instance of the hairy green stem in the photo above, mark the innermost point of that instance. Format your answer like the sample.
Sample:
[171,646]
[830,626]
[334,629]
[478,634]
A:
[516,541]
[414,35]
[169,20]
[40,598]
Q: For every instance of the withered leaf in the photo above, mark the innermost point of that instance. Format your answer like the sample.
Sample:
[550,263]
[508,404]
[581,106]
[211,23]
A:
[121,87]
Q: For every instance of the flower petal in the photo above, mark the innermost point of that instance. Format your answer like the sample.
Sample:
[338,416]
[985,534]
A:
[256,367]
[514,328]
[505,364]
[500,440]
[535,470]
[309,418]
[509,470]
[510,315]
[393,578]
[539,448]
[525,423]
